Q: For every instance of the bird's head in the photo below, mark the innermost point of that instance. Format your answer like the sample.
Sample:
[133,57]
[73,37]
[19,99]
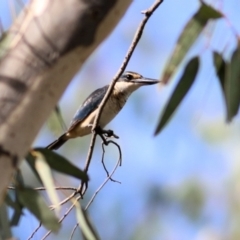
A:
[131,81]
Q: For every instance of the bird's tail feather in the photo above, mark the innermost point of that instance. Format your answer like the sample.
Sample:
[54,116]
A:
[57,143]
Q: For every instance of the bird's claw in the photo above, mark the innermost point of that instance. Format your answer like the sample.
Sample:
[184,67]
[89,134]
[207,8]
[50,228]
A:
[105,133]
[110,133]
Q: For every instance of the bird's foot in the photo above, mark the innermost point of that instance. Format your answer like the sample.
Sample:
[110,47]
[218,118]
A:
[109,133]
[105,134]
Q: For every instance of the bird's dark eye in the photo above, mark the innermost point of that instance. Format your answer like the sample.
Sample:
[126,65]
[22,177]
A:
[129,77]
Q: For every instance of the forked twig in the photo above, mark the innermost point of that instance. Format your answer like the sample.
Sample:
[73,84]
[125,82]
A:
[67,199]
[63,217]
[102,185]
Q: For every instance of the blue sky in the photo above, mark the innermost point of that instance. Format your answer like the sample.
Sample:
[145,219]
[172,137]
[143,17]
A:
[195,149]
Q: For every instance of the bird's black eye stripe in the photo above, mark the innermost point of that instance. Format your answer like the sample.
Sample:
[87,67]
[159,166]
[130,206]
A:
[129,76]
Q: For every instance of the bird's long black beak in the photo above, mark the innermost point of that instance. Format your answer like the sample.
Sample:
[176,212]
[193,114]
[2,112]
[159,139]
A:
[146,81]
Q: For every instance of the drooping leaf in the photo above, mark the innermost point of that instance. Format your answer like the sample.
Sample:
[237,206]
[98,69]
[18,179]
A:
[16,217]
[35,203]
[232,86]
[10,202]
[6,232]
[59,163]
[220,67]
[56,122]
[31,161]
[60,118]
[179,92]
[86,227]
[16,206]
[45,174]
[188,36]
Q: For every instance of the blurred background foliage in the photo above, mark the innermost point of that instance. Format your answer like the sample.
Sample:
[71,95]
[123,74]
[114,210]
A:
[182,184]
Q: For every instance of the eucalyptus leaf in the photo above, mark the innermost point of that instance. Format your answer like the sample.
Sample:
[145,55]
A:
[58,113]
[45,174]
[82,219]
[35,203]
[188,36]
[220,67]
[232,86]
[16,206]
[31,161]
[179,92]
[59,163]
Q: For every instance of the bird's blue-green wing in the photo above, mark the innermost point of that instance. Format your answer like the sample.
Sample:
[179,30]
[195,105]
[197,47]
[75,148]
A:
[89,105]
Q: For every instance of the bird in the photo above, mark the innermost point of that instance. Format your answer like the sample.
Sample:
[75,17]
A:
[82,122]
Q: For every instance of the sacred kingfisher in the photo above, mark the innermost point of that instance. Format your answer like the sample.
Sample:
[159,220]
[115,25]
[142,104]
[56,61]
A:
[82,122]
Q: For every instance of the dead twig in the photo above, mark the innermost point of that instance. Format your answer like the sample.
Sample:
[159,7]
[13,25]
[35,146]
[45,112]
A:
[63,217]
[73,231]
[119,160]
[44,189]
[35,231]
[102,185]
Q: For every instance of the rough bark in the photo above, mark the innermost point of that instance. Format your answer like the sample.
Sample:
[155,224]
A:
[47,45]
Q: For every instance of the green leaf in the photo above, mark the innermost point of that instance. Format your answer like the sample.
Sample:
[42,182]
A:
[18,177]
[15,218]
[87,229]
[59,163]
[16,206]
[232,86]
[4,222]
[179,92]
[10,202]
[56,122]
[4,43]
[188,36]
[35,203]
[220,67]
[45,174]
[31,161]
[60,118]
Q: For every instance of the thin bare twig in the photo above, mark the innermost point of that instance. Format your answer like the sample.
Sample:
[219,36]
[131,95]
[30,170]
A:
[56,188]
[66,199]
[132,47]
[120,157]
[35,231]
[61,203]
[63,217]
[102,185]
[73,231]
[44,189]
